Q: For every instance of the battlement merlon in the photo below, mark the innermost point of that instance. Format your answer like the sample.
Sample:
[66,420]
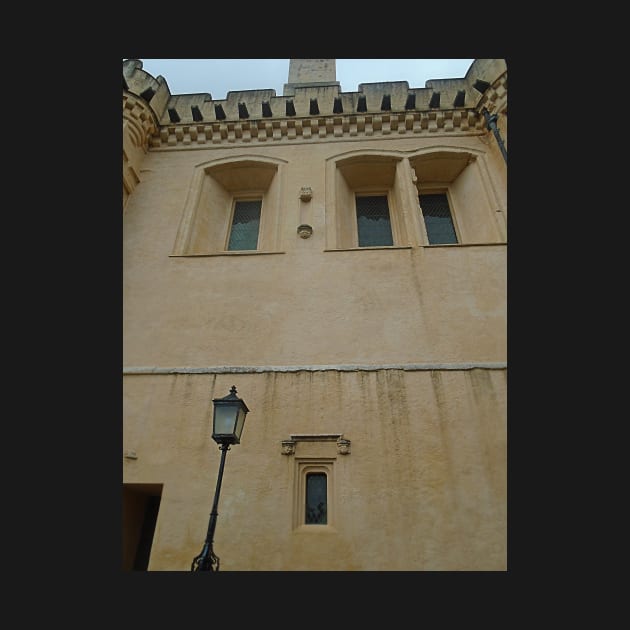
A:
[154,91]
[315,98]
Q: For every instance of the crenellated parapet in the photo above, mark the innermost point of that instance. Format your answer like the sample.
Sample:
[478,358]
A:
[153,91]
[319,110]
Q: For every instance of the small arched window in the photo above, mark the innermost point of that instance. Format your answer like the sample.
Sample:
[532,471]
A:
[437,219]
[245,225]
[233,206]
[454,201]
[316,499]
[366,210]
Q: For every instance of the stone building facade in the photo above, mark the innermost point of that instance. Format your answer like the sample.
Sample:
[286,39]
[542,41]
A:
[340,258]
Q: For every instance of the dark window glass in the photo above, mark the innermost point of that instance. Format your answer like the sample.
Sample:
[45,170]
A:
[373,221]
[245,224]
[437,219]
[316,502]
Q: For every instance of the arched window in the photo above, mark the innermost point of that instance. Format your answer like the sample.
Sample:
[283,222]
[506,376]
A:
[374,225]
[232,206]
[435,196]
[365,208]
[316,499]
[245,225]
[456,204]
[438,220]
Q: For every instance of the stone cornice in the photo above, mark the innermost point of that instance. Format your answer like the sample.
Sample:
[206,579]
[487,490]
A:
[178,136]
[142,121]
[494,98]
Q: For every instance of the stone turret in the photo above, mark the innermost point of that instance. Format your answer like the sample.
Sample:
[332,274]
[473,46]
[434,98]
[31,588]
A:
[144,102]
[311,73]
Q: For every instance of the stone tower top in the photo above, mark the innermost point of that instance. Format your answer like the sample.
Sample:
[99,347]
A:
[310,73]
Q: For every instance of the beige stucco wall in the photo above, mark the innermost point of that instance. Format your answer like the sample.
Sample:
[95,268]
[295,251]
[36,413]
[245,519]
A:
[423,487]
[401,350]
[303,305]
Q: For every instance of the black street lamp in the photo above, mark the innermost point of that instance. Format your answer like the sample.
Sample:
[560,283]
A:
[227,426]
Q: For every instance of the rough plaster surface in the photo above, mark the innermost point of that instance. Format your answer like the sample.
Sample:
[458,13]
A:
[402,351]
[425,479]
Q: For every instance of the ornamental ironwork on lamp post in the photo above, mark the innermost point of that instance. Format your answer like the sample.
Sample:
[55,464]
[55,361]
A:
[227,425]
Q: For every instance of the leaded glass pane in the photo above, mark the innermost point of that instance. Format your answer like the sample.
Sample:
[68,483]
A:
[316,502]
[437,219]
[373,221]
[245,224]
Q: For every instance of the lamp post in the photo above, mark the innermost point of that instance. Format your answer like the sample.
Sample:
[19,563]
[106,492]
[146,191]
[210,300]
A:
[491,125]
[227,425]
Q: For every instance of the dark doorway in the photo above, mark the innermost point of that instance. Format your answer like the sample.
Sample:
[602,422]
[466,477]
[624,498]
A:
[141,504]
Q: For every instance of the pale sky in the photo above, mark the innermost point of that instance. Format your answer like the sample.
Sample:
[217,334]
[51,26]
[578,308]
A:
[219,76]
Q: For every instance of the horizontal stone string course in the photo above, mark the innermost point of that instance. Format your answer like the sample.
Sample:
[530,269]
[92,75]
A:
[313,128]
[250,369]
